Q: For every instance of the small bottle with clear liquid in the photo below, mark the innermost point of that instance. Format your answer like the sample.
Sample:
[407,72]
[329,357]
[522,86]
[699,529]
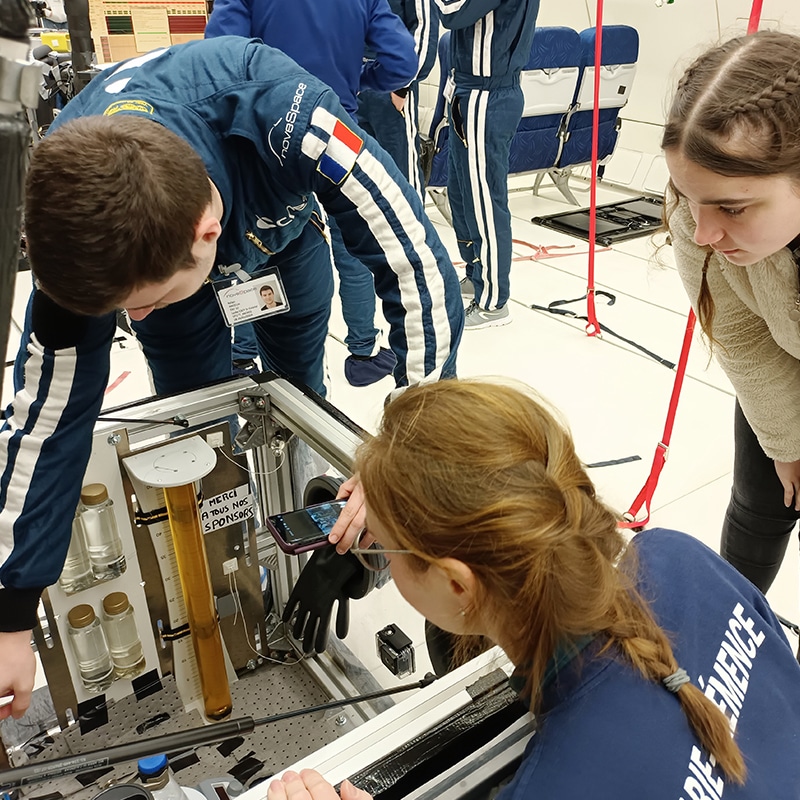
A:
[157,777]
[119,625]
[100,531]
[77,573]
[89,645]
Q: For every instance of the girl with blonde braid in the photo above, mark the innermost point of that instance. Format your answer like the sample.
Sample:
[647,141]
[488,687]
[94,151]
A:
[732,144]
[654,669]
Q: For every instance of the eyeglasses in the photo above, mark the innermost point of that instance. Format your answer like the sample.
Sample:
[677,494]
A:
[374,558]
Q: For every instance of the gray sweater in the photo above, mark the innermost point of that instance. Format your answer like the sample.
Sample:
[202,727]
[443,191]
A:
[758,344]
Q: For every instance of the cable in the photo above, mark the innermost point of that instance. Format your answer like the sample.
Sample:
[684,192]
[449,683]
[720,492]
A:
[237,600]
[253,472]
[180,422]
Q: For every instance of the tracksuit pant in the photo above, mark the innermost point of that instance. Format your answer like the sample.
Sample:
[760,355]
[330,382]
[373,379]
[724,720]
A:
[483,122]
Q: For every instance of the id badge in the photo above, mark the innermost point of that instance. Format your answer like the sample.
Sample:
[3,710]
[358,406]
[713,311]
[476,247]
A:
[247,298]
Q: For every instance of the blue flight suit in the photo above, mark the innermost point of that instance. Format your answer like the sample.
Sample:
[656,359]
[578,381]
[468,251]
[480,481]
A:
[396,133]
[328,39]
[606,732]
[490,44]
[274,139]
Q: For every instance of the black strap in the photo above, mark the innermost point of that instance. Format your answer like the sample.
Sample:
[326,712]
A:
[555,308]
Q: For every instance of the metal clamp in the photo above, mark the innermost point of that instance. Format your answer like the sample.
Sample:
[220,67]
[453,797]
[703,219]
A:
[254,407]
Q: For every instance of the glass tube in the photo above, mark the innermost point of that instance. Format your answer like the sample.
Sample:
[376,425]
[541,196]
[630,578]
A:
[190,553]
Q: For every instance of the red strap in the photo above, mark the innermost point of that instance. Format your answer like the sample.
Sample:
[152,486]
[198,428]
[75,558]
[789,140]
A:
[645,496]
[592,326]
[755,16]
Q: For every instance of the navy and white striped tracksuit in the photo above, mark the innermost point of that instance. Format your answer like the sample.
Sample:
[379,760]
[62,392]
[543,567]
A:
[490,44]
[398,134]
[328,39]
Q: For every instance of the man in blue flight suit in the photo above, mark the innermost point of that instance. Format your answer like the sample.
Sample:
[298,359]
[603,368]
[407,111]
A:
[490,44]
[384,115]
[162,176]
[329,39]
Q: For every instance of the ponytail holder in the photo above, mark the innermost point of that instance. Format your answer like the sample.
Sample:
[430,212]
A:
[674,682]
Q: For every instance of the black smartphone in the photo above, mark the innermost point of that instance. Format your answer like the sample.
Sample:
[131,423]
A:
[306,529]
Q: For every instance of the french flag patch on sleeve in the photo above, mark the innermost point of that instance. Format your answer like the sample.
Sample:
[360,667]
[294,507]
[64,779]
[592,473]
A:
[343,146]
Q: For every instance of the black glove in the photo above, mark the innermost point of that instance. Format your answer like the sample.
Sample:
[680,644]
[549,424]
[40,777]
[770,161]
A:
[327,578]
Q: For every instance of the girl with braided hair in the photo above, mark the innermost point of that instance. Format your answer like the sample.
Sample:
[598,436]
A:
[654,669]
[732,144]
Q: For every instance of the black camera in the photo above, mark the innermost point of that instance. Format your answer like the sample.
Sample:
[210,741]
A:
[39,6]
[395,650]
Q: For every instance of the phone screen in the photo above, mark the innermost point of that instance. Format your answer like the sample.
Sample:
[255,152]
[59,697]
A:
[312,524]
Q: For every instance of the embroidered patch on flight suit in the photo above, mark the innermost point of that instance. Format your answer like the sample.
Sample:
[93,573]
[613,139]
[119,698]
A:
[140,106]
[336,157]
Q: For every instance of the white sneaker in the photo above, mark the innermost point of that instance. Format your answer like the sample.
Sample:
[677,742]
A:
[476,317]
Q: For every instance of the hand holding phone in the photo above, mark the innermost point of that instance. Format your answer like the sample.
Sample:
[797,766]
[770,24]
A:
[306,529]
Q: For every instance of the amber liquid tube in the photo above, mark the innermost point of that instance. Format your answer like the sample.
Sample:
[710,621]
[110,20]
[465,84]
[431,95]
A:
[190,553]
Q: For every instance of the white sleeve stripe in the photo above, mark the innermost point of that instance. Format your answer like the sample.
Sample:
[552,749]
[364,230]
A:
[312,146]
[477,49]
[482,42]
[422,34]
[398,261]
[322,118]
[488,42]
[30,444]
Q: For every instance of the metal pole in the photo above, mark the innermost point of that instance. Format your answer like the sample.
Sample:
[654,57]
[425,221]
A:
[80,37]
[46,770]
[19,88]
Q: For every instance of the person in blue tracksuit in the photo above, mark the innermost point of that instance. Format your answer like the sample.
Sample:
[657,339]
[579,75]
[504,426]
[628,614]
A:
[161,175]
[652,667]
[490,44]
[329,39]
[398,133]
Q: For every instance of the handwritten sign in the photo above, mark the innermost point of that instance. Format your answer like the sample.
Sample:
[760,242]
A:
[227,508]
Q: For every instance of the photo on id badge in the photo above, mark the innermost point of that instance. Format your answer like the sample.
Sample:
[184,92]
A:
[246,301]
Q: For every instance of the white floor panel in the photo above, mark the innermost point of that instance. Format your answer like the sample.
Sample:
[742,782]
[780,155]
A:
[364,405]
[623,273]
[636,314]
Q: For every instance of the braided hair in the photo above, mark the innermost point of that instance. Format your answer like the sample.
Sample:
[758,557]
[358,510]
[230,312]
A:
[736,112]
[485,473]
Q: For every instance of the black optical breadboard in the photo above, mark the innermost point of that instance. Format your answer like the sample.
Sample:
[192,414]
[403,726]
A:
[616,222]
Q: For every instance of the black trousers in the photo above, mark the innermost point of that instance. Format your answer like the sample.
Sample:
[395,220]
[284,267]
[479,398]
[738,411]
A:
[757,525]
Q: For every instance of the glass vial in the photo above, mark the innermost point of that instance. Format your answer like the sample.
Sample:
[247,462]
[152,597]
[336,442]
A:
[77,572]
[90,648]
[124,644]
[100,531]
[157,777]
